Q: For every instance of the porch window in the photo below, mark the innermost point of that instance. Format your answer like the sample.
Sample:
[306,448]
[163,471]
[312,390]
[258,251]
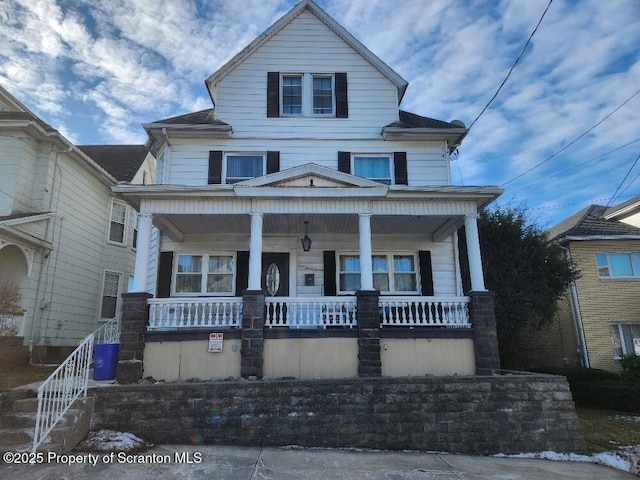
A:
[625,338]
[619,264]
[392,273]
[373,167]
[118,222]
[110,290]
[204,274]
[243,167]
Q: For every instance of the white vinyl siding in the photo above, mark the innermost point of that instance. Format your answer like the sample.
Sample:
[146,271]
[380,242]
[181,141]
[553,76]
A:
[306,46]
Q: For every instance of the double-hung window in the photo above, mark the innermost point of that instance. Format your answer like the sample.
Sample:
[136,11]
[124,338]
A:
[204,274]
[244,166]
[392,273]
[110,292]
[618,264]
[626,339]
[117,222]
[307,94]
[373,167]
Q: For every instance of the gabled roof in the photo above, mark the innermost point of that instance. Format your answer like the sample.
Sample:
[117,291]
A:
[383,68]
[411,120]
[121,161]
[203,117]
[590,224]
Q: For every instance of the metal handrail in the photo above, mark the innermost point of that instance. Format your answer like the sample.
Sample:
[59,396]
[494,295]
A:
[70,380]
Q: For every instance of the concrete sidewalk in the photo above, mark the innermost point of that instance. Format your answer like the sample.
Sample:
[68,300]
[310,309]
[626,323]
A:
[251,463]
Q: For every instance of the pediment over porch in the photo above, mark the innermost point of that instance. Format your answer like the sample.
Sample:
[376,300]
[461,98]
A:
[309,180]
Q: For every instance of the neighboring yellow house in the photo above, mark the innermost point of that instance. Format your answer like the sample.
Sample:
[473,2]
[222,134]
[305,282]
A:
[599,322]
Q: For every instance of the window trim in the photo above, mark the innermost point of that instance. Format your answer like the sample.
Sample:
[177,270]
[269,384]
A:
[120,276]
[242,154]
[204,273]
[635,276]
[307,94]
[388,156]
[124,225]
[390,271]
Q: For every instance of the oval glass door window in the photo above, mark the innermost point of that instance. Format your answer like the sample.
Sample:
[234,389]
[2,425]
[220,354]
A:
[272,279]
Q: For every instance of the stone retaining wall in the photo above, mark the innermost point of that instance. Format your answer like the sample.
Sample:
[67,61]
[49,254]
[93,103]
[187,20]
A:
[475,414]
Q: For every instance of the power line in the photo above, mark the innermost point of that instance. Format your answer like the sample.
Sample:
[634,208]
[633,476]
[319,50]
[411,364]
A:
[572,142]
[577,166]
[512,67]
[623,180]
[560,205]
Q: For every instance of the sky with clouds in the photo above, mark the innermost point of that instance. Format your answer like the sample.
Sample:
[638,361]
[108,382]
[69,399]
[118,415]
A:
[97,70]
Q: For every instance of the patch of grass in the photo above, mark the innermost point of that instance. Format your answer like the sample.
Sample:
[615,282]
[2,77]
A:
[606,430]
[11,377]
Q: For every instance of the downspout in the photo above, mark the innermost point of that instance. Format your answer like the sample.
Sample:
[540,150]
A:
[577,317]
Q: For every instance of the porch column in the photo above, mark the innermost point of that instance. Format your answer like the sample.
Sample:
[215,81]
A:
[366,271]
[473,252]
[255,252]
[143,247]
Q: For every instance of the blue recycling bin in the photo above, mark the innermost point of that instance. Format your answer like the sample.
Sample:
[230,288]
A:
[105,361]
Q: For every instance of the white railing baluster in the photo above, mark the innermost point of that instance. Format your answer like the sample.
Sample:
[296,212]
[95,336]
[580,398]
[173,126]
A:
[424,311]
[179,314]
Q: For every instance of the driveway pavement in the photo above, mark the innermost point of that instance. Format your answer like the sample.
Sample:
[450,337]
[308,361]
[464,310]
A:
[253,463]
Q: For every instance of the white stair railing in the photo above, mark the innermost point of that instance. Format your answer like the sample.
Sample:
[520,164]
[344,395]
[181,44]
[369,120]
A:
[58,392]
[69,381]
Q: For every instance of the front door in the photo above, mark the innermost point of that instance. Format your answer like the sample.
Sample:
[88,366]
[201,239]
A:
[275,274]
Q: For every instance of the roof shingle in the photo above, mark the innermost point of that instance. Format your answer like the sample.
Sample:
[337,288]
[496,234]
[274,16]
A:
[121,161]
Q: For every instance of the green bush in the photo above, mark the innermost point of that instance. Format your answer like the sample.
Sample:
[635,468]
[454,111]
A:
[631,368]
[607,395]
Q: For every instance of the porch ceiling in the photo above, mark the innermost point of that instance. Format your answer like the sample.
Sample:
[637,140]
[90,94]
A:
[294,224]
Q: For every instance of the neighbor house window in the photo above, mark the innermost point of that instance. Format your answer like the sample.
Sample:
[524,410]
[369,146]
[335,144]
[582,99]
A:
[392,273]
[625,338]
[618,264]
[110,290]
[243,167]
[134,240]
[204,274]
[373,167]
[118,222]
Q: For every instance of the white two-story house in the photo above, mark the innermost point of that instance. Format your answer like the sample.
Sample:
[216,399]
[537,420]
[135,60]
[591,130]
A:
[65,240]
[305,185]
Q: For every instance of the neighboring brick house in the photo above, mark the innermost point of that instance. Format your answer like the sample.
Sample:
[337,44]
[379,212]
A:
[599,321]
[65,238]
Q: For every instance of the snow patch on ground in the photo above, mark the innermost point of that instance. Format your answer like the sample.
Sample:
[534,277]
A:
[626,460]
[105,441]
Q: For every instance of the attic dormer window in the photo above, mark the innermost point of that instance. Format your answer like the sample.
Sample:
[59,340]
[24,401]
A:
[307,95]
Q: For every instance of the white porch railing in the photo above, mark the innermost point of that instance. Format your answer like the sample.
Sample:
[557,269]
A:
[425,311]
[58,392]
[306,312]
[183,313]
[12,325]
[108,333]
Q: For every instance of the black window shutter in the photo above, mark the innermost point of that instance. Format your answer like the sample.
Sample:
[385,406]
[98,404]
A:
[215,167]
[329,273]
[165,267]
[342,104]
[273,162]
[400,168]
[273,94]
[242,272]
[426,272]
[344,162]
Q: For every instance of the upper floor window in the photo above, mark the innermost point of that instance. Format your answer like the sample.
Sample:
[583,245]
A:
[373,167]
[243,167]
[618,264]
[391,273]
[118,222]
[204,274]
[307,94]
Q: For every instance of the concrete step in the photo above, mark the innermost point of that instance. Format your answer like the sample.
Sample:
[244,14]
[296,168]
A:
[27,447]
[26,405]
[15,436]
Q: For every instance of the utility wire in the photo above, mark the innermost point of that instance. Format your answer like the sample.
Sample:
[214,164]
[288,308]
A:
[572,142]
[512,67]
[623,180]
[577,166]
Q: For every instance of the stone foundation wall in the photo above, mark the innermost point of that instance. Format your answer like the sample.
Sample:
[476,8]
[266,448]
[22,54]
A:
[475,414]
